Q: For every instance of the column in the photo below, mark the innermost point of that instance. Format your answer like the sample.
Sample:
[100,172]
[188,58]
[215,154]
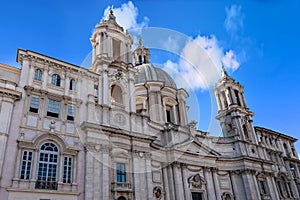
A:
[45,78]
[60,172]
[294,189]
[34,169]
[178,181]
[218,100]
[187,192]
[166,183]
[235,189]
[247,180]
[272,188]
[18,164]
[100,89]
[105,88]
[136,176]
[89,180]
[233,96]
[222,101]
[216,183]
[67,84]
[182,112]
[209,184]
[74,174]
[160,111]
[171,182]
[16,179]
[228,96]
[131,95]
[149,175]
[105,173]
[175,114]
[31,73]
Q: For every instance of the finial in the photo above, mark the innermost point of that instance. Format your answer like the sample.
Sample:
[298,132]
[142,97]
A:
[224,72]
[140,42]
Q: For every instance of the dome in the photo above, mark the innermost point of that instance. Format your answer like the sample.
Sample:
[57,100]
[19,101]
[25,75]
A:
[148,72]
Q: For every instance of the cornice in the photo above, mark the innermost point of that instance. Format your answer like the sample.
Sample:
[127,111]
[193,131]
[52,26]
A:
[5,92]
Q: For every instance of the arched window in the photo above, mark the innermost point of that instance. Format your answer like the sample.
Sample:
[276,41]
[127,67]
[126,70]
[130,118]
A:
[140,59]
[38,75]
[55,80]
[145,60]
[47,167]
[116,94]
[72,84]
[246,132]
[286,149]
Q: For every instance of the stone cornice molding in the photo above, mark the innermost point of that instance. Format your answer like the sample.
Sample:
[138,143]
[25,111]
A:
[9,93]
[94,147]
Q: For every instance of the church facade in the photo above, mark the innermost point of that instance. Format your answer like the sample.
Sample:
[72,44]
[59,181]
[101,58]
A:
[120,131]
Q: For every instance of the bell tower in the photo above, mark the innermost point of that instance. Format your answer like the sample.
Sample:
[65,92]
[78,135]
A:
[110,43]
[234,115]
[141,55]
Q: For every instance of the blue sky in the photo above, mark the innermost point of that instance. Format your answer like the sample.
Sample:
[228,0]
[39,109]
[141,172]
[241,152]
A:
[263,36]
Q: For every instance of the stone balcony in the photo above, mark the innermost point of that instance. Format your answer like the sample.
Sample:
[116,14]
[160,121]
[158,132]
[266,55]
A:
[121,187]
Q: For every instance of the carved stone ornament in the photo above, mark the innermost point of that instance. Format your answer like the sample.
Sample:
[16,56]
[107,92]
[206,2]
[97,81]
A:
[157,192]
[52,126]
[196,182]
[116,75]
[120,119]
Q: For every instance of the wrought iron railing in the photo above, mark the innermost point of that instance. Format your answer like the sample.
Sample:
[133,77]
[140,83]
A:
[45,184]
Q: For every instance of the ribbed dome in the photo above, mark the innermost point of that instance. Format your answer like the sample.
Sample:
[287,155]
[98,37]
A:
[147,72]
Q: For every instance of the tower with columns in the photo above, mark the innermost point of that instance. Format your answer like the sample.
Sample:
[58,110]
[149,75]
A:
[234,115]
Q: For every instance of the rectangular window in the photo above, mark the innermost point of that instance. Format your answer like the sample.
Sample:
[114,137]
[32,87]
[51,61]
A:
[67,176]
[34,104]
[53,108]
[121,172]
[197,196]
[71,113]
[26,165]
[262,186]
[169,117]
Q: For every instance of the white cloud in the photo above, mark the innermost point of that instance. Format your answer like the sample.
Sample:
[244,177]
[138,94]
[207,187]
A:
[126,16]
[234,19]
[199,65]
[229,60]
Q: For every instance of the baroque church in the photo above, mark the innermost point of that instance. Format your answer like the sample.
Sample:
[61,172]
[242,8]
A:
[120,131]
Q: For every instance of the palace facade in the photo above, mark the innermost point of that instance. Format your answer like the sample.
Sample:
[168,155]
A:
[120,131]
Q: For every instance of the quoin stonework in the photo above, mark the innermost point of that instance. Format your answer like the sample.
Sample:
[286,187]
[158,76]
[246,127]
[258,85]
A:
[120,131]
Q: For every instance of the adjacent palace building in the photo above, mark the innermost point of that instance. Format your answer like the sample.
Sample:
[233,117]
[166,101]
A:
[119,131]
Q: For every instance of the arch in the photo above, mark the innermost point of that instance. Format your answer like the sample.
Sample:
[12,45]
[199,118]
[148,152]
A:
[140,59]
[39,140]
[55,80]
[116,94]
[121,198]
[72,84]
[286,149]
[38,75]
[246,133]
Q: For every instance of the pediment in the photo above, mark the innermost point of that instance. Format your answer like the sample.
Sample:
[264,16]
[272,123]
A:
[196,147]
